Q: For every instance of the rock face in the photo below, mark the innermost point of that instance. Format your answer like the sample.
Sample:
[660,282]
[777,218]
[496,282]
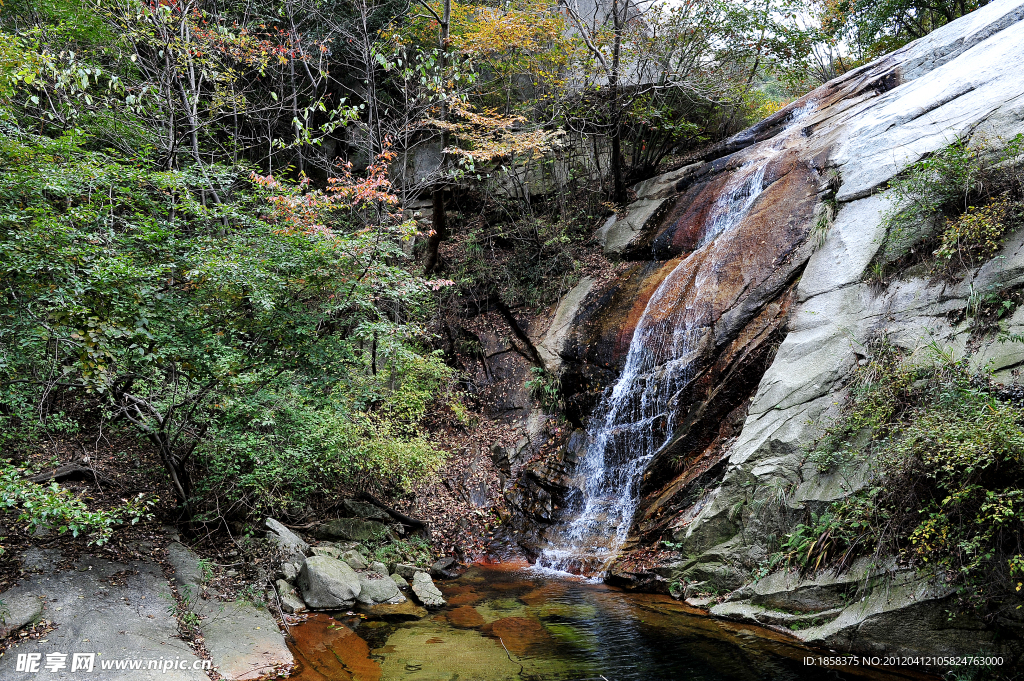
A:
[956,82]
[775,323]
[244,641]
[19,610]
[129,620]
[328,583]
[363,509]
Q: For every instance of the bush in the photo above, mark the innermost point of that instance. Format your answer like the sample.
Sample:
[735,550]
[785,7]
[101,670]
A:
[53,507]
[942,184]
[964,199]
[267,346]
[947,456]
[977,234]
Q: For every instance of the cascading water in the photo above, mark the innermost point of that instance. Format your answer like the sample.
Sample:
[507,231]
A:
[632,421]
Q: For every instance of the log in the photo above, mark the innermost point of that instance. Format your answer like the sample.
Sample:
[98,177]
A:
[69,470]
[397,515]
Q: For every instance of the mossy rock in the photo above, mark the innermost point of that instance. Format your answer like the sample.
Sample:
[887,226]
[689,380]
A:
[351,529]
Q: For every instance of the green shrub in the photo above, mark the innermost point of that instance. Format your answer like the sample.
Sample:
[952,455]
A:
[977,234]
[947,457]
[53,507]
[544,388]
[962,198]
[941,184]
[268,346]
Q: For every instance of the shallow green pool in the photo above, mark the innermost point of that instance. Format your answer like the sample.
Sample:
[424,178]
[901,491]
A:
[504,622]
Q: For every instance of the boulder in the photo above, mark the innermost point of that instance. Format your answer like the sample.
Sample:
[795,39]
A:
[362,509]
[426,593]
[400,581]
[378,567]
[375,588]
[329,550]
[351,529]
[288,572]
[289,597]
[407,570]
[328,583]
[290,544]
[354,559]
[19,610]
[552,344]
[443,568]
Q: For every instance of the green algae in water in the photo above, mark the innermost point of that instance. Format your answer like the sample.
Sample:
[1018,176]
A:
[569,635]
[568,611]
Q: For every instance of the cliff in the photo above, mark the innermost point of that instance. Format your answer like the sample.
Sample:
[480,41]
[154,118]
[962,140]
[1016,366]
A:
[761,278]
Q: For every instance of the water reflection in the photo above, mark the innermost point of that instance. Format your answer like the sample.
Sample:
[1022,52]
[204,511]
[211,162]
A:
[505,623]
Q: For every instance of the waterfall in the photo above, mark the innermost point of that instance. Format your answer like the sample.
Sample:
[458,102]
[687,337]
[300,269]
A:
[632,420]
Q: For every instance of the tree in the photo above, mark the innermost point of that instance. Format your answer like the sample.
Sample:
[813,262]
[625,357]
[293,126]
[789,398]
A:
[171,298]
[874,27]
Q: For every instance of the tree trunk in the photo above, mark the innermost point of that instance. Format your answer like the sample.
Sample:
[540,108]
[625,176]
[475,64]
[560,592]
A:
[439,232]
[439,223]
[618,183]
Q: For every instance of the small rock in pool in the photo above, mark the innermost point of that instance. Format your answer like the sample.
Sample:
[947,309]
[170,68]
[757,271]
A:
[426,592]
[328,583]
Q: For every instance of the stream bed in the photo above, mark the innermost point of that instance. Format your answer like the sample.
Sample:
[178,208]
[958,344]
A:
[504,621]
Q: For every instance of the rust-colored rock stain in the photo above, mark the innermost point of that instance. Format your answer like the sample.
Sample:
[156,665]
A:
[518,634]
[468,597]
[327,650]
[465,617]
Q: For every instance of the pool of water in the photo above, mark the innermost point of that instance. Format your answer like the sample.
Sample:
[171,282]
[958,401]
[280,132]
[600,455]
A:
[505,622]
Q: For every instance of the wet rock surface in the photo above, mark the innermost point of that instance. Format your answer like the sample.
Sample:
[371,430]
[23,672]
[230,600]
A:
[837,311]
